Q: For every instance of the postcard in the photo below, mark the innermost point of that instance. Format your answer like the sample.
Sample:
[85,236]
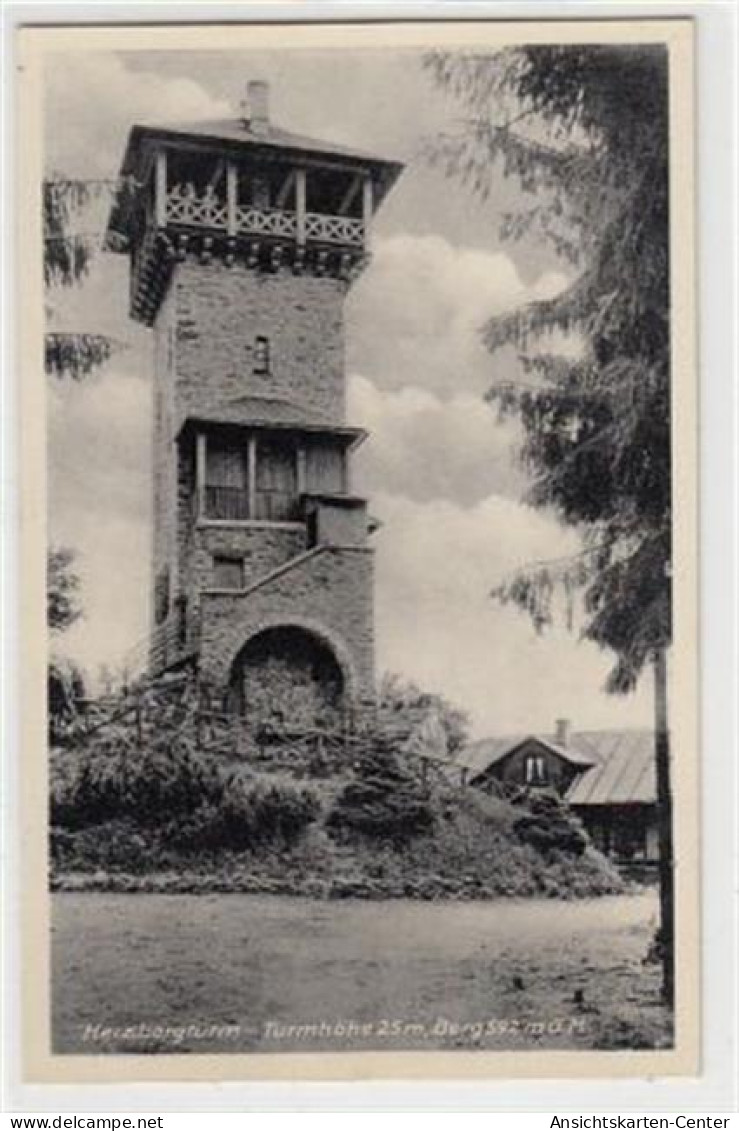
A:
[360,699]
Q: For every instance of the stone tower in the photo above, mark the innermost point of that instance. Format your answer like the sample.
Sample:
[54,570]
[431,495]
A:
[243,240]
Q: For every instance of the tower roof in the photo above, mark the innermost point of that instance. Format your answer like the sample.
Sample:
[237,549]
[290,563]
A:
[273,413]
[241,132]
[242,137]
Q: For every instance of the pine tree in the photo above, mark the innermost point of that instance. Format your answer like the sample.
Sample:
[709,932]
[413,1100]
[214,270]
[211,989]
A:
[68,255]
[584,132]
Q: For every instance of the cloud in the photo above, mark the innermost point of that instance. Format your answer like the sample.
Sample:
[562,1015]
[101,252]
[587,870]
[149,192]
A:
[414,317]
[113,560]
[436,623]
[88,118]
[99,435]
[424,447]
[99,502]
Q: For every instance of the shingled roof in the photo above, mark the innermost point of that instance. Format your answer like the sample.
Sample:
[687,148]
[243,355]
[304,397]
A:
[270,136]
[624,772]
[272,412]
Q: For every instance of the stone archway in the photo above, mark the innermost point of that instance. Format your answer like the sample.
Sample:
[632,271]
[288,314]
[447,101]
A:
[286,675]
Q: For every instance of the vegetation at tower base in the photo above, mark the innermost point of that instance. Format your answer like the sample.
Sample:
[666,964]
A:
[65,682]
[399,698]
[141,803]
[384,802]
[583,131]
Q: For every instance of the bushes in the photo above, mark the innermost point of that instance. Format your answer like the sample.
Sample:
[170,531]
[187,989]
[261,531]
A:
[113,780]
[384,802]
[125,815]
[250,813]
[116,846]
[176,798]
[550,827]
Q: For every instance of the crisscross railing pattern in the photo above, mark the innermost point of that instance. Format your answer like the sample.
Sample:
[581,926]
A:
[209,212]
[266,221]
[334,229]
[201,211]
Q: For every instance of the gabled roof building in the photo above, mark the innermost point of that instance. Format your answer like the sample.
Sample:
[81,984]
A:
[608,777]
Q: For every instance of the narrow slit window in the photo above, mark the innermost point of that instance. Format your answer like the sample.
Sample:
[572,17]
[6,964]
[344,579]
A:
[261,355]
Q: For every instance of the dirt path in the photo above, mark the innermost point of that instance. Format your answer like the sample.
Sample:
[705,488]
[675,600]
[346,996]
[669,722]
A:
[236,973]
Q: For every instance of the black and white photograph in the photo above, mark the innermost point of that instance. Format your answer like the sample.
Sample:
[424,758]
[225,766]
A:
[369,693]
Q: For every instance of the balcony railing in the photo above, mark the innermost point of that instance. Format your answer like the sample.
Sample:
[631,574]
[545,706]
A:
[277,506]
[187,208]
[226,503]
[232,504]
[266,222]
[334,229]
[209,212]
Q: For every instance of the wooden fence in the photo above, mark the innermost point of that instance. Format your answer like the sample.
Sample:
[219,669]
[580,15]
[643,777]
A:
[171,708]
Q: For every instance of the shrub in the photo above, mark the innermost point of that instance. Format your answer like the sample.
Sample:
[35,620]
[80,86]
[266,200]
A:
[112,847]
[250,813]
[549,826]
[66,691]
[112,780]
[384,802]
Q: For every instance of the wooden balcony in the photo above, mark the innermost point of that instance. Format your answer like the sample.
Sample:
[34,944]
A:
[233,504]
[262,238]
[209,214]
[227,504]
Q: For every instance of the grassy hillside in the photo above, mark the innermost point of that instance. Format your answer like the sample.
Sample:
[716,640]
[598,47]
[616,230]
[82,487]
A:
[164,817]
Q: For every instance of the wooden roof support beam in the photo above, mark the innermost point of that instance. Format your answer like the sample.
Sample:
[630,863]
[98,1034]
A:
[285,189]
[217,174]
[349,196]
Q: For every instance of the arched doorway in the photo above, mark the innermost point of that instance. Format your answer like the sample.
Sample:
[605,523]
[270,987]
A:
[287,676]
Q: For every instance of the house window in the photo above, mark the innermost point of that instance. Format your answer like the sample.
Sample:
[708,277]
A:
[630,835]
[261,355]
[535,769]
[228,572]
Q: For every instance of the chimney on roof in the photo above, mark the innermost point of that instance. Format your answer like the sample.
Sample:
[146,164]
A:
[563,732]
[257,106]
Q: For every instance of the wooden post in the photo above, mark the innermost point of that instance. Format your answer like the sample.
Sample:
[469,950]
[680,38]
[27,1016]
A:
[232,198]
[301,475]
[251,474]
[160,189]
[348,198]
[201,459]
[300,205]
[367,210]
[664,817]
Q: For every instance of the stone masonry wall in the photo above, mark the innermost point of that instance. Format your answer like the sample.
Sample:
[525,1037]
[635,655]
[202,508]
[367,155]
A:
[165,486]
[262,547]
[329,592]
[220,311]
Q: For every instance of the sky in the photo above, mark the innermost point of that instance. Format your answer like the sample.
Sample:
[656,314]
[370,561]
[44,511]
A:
[440,470]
